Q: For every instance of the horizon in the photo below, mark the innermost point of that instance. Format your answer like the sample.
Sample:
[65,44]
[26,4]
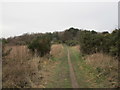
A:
[42,17]
[30,33]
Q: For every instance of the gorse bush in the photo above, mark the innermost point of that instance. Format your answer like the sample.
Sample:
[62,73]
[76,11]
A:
[71,42]
[115,43]
[69,34]
[40,45]
[92,42]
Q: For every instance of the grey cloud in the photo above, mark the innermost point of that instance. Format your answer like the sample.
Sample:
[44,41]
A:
[23,17]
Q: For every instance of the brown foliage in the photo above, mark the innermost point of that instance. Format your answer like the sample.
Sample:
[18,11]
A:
[21,70]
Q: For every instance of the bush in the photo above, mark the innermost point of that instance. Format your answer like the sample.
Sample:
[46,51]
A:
[115,43]
[89,42]
[41,45]
[71,42]
[92,42]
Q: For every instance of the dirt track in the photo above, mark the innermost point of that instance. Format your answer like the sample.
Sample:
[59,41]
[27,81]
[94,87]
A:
[72,74]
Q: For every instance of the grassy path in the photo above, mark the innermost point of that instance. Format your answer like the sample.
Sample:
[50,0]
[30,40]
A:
[78,63]
[60,74]
[72,74]
[72,71]
[85,74]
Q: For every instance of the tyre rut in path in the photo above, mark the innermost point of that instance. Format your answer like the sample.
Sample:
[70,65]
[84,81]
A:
[72,74]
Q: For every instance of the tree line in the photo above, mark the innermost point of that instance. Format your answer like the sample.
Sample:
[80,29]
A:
[92,42]
[89,41]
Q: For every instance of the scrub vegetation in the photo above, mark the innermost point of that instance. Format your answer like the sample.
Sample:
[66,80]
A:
[41,60]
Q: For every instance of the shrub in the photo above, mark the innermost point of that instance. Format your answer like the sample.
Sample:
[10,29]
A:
[92,42]
[41,45]
[71,42]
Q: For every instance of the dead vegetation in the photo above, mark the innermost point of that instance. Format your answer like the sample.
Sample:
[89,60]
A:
[18,52]
[22,70]
[106,66]
[77,47]
[56,50]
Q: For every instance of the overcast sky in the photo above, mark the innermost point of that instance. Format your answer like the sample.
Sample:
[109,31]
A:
[23,17]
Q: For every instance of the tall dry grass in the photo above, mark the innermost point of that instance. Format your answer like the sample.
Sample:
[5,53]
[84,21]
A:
[56,50]
[18,52]
[21,69]
[106,66]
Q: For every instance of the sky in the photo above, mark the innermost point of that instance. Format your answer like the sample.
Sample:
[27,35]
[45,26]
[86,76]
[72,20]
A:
[28,17]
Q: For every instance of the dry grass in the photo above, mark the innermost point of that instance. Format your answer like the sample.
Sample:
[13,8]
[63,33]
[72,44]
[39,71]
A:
[20,52]
[77,47]
[21,69]
[56,50]
[106,65]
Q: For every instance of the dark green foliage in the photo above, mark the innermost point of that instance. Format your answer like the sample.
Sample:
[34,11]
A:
[40,45]
[72,42]
[4,41]
[88,41]
[115,43]
[55,36]
[92,42]
[56,42]
[69,34]
[105,32]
